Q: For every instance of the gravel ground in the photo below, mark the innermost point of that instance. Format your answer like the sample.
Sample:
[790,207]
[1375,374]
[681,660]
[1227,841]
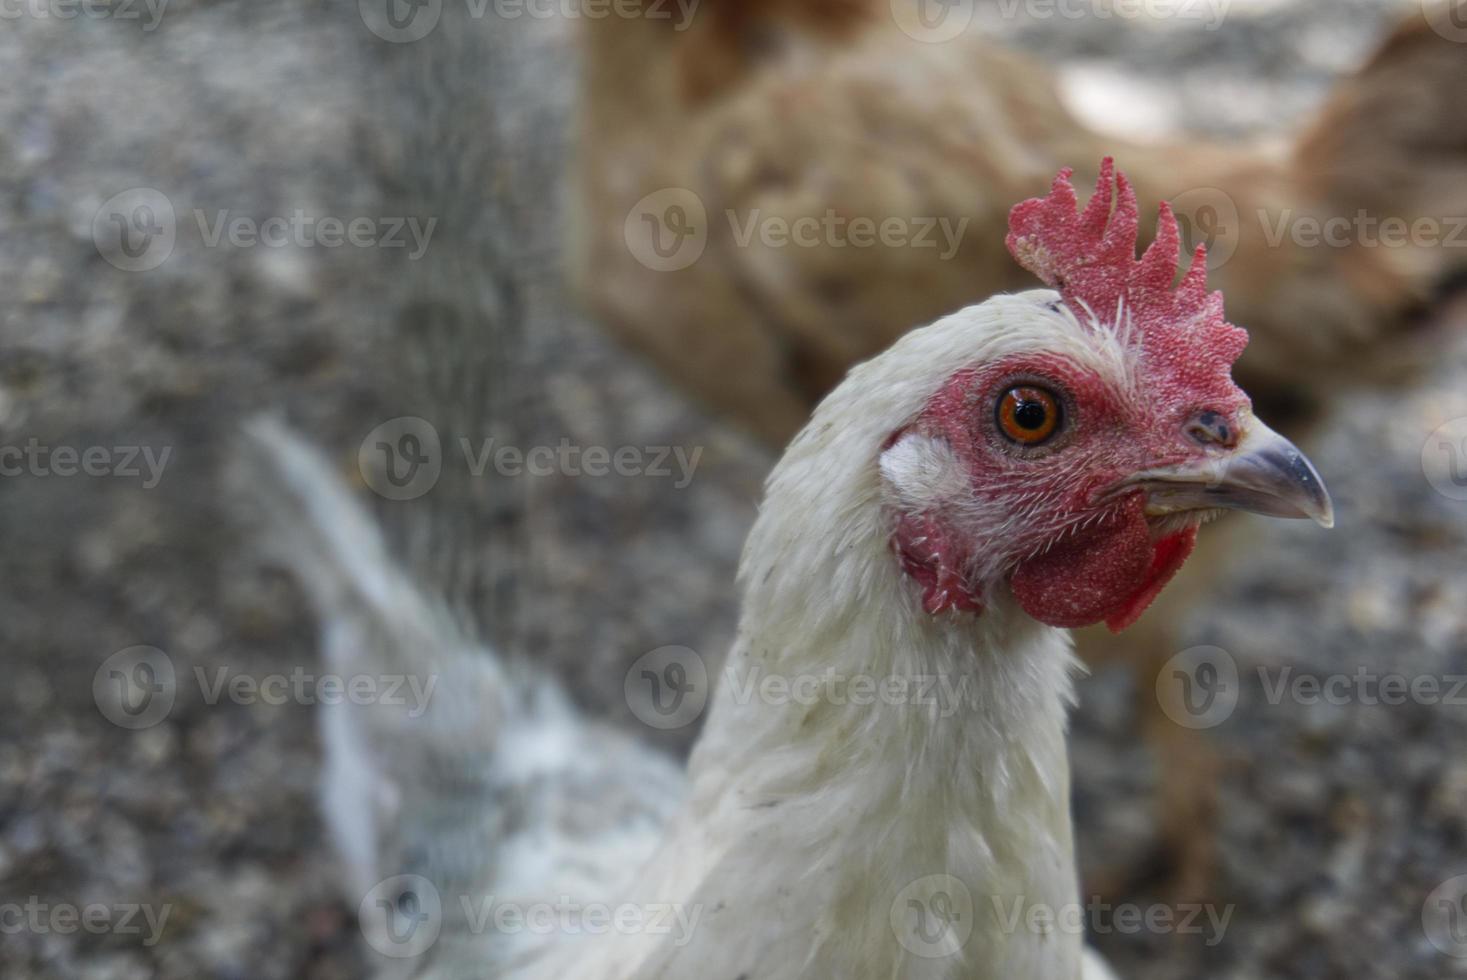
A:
[1338,820]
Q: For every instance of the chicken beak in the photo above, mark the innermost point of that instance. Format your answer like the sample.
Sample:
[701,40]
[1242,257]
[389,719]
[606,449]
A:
[1264,473]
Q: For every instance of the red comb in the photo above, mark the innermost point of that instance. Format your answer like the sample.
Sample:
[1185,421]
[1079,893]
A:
[1090,257]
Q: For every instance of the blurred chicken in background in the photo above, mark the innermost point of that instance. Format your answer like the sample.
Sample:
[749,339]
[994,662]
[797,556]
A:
[696,138]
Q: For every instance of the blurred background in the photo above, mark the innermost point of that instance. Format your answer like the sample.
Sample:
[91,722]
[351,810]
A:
[396,223]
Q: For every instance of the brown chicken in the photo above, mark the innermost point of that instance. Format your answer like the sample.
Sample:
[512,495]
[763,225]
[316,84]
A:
[775,190]
[759,116]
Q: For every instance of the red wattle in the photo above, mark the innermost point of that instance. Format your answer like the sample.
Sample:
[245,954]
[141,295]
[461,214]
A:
[1171,552]
[1109,574]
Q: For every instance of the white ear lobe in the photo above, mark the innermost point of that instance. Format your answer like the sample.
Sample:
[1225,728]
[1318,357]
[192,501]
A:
[922,472]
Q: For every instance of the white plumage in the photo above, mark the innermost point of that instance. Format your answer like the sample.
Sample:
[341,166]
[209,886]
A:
[809,837]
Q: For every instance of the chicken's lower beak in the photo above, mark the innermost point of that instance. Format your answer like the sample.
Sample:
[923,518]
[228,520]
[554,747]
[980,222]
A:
[1265,473]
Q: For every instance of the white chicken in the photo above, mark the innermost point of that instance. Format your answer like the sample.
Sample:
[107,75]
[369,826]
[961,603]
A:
[1035,462]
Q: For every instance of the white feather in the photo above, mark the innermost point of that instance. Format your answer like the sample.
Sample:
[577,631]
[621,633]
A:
[806,828]
[807,823]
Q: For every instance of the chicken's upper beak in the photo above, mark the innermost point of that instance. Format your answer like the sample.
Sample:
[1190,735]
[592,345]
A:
[1264,473]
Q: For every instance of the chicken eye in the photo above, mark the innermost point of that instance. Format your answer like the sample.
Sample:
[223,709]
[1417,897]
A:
[1028,415]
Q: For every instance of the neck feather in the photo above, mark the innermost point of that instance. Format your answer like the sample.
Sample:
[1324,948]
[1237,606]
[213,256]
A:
[854,733]
[825,600]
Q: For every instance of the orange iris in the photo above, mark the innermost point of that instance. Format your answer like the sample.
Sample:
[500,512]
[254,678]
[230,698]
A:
[1028,415]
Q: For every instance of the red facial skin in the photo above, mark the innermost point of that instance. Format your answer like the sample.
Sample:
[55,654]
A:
[1061,573]
[1074,552]
[935,558]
